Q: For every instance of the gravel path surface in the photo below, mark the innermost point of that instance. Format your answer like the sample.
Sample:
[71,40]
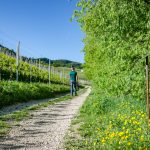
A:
[45,131]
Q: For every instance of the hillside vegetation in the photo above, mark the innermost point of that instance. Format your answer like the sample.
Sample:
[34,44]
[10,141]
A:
[62,63]
[45,61]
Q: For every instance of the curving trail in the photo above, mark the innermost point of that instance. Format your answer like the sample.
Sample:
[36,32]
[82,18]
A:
[46,129]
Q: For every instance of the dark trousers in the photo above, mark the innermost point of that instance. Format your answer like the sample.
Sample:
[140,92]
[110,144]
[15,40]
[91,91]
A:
[73,87]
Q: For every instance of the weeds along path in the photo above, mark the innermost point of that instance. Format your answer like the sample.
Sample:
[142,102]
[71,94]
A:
[46,129]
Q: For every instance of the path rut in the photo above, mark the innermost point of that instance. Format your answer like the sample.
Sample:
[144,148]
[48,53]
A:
[46,129]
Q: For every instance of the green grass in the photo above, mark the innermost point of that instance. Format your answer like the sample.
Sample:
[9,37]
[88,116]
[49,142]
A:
[15,116]
[4,127]
[110,124]
[6,121]
[18,92]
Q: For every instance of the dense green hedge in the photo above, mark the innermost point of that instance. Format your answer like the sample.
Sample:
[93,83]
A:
[8,71]
[14,92]
[117,36]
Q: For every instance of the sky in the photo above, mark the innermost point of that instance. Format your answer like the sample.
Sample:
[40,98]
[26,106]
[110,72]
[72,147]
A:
[43,28]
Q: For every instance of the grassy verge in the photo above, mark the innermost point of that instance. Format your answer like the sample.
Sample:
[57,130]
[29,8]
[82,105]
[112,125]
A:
[110,124]
[17,92]
[7,121]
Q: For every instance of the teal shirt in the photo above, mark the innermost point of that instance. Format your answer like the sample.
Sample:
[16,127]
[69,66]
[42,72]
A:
[73,75]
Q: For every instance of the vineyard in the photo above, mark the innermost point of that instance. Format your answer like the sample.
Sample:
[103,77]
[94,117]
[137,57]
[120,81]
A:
[34,81]
[27,72]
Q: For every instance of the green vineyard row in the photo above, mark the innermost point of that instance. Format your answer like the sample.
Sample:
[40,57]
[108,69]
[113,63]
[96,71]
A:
[26,71]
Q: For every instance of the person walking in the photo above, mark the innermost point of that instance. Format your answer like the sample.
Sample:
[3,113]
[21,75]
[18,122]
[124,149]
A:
[73,81]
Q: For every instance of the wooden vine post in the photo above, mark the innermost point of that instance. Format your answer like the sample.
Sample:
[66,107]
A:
[147,89]
[49,72]
[17,60]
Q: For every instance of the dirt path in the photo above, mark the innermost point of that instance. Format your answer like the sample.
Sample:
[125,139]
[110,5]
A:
[45,131]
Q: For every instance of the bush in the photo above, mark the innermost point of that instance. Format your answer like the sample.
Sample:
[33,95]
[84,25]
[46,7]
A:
[13,92]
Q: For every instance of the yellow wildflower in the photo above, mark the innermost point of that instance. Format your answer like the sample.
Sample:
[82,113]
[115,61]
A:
[129,143]
[142,116]
[142,138]
[121,133]
[127,131]
[133,118]
[103,140]
[112,134]
[123,137]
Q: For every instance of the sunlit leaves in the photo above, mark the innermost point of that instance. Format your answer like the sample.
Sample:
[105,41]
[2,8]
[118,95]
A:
[117,36]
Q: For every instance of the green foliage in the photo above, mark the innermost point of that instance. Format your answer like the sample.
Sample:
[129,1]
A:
[7,50]
[14,92]
[112,123]
[8,71]
[4,127]
[117,36]
[62,63]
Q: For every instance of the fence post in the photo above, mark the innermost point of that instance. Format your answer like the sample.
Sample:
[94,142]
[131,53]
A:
[30,63]
[17,60]
[147,89]
[36,63]
[0,68]
[53,71]
[39,69]
[63,75]
[60,75]
[39,64]
[49,71]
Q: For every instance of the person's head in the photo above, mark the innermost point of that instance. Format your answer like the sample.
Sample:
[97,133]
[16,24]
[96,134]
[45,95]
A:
[72,68]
